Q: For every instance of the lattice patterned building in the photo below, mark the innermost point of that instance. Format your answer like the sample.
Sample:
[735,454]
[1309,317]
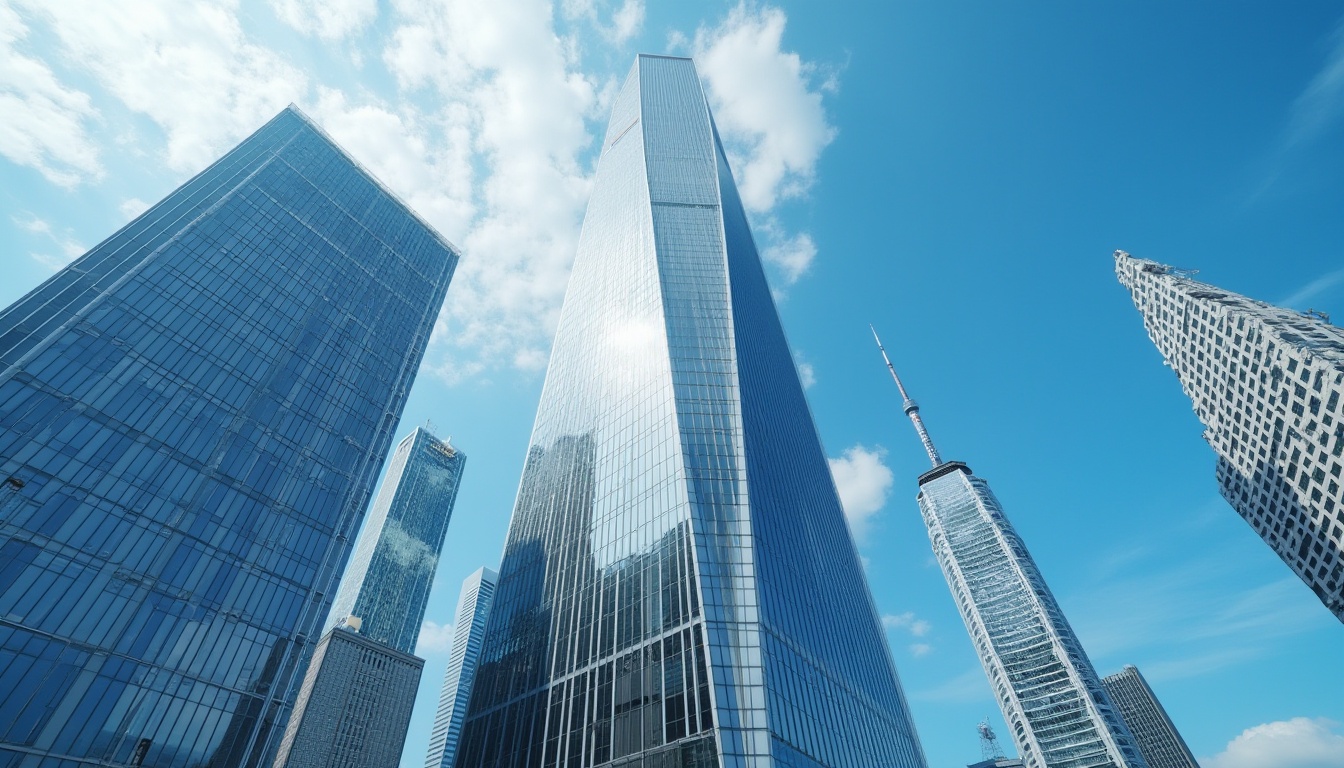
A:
[1266,383]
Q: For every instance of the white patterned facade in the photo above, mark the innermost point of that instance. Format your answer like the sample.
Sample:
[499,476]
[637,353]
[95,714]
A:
[1266,382]
[473,608]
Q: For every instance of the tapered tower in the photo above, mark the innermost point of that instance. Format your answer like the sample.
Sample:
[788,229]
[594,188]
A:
[1056,708]
[679,586]
[1267,383]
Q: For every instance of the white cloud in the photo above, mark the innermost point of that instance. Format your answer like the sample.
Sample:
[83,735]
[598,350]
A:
[511,89]
[46,124]
[68,246]
[806,374]
[863,481]
[327,19]
[920,649]
[1297,743]
[1323,100]
[625,23]
[1299,298]
[907,621]
[793,255]
[188,67]
[132,207]
[434,639]
[767,108]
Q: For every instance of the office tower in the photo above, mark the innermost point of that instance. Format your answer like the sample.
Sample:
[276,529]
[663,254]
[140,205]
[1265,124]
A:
[1052,700]
[1266,383]
[354,705]
[387,582]
[353,709]
[678,586]
[1158,739]
[473,607]
[192,416]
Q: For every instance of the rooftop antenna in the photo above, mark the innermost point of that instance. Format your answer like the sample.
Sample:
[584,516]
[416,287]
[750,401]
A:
[910,407]
[1318,315]
[989,743]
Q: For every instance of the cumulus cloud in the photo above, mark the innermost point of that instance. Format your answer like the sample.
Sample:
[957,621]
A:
[807,374]
[511,87]
[434,639]
[1297,743]
[327,19]
[68,247]
[188,67]
[863,480]
[625,22]
[792,255]
[766,104]
[132,207]
[46,124]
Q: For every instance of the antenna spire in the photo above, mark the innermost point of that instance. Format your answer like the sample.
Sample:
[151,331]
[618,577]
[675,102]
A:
[910,407]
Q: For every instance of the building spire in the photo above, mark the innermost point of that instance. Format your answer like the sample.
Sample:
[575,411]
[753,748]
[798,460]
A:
[910,407]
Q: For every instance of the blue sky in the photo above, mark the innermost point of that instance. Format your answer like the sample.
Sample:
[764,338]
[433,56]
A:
[957,174]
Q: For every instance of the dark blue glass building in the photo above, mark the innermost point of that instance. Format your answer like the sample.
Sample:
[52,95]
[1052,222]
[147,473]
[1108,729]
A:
[679,586]
[191,419]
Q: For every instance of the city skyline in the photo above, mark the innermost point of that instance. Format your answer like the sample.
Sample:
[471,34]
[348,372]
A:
[962,174]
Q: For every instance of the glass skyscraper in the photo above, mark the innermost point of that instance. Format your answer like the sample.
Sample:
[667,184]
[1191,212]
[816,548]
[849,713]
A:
[473,608]
[1052,699]
[1266,382]
[355,704]
[679,586]
[1157,737]
[192,415]
[387,582]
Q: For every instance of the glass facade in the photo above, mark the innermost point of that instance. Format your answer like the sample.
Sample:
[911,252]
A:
[1052,700]
[679,586]
[1268,384]
[473,608]
[387,582]
[353,707]
[192,416]
[1157,737]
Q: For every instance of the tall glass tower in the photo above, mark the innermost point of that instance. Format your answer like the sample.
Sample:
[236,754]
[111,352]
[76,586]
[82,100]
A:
[1157,737]
[679,586]
[355,703]
[192,416]
[473,608]
[387,582]
[1266,382]
[1051,697]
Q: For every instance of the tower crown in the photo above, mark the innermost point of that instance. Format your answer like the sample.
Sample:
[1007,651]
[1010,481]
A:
[909,405]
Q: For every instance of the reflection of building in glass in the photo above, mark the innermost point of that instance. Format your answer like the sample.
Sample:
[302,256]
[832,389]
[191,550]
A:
[387,582]
[1052,700]
[679,586]
[382,598]
[354,705]
[473,607]
[1267,384]
[192,416]
[1158,739]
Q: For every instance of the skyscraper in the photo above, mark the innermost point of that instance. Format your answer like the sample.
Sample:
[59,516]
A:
[473,607]
[192,415]
[1266,383]
[1052,700]
[1158,739]
[679,586]
[355,704]
[387,582]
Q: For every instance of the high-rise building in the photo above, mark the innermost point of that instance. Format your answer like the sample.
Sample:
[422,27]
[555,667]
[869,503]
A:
[473,607]
[1266,383]
[679,585]
[192,416]
[1051,697]
[1159,741]
[363,707]
[392,569]
[354,704]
